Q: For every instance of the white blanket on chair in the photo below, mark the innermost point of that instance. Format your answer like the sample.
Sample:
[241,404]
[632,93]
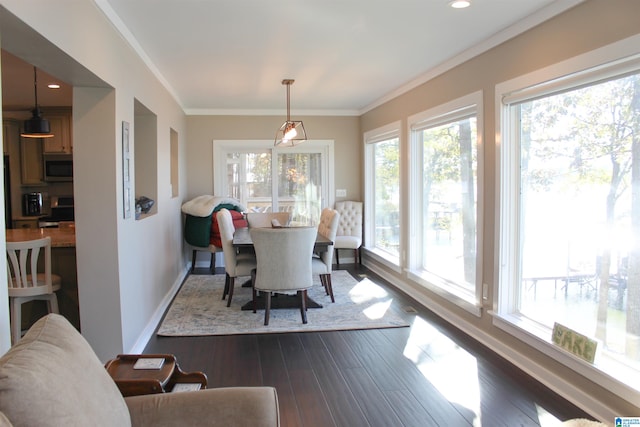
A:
[205,205]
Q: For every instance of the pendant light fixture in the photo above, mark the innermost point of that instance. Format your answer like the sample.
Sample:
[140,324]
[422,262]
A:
[291,133]
[36,126]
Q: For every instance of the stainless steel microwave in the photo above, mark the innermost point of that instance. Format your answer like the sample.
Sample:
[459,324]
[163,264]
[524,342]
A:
[58,167]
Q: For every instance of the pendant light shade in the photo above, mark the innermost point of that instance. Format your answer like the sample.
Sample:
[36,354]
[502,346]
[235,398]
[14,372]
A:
[291,132]
[36,126]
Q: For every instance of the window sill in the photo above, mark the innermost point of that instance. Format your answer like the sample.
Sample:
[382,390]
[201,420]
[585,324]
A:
[384,258]
[606,371]
[451,293]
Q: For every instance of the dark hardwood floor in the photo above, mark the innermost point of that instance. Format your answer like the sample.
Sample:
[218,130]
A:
[429,374]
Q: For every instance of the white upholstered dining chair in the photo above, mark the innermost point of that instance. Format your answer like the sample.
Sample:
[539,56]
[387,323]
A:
[283,264]
[349,235]
[235,265]
[26,283]
[322,264]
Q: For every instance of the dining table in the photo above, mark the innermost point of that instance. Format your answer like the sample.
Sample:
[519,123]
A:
[242,240]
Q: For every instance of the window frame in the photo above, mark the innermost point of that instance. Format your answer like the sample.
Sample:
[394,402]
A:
[465,106]
[370,138]
[586,69]
[324,147]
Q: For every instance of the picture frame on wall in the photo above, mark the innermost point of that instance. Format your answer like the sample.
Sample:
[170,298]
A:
[126,171]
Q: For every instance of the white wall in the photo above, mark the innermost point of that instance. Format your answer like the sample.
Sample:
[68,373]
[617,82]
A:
[127,269]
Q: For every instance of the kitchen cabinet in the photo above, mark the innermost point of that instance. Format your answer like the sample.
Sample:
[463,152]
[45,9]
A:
[6,130]
[10,136]
[61,142]
[31,166]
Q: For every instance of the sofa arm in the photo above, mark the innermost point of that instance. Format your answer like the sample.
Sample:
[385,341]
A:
[229,407]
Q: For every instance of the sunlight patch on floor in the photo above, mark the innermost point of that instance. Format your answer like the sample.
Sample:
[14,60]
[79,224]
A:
[377,310]
[546,419]
[448,367]
[367,292]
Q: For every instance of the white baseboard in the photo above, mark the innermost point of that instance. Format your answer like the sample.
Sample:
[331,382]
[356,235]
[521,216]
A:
[155,320]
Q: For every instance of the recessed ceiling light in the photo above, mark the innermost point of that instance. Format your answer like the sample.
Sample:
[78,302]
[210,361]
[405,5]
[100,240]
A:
[53,86]
[460,4]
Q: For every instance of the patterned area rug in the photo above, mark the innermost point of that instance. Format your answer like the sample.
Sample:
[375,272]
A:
[198,309]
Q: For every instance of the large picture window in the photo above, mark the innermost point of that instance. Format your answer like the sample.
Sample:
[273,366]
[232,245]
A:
[444,198]
[570,217]
[382,193]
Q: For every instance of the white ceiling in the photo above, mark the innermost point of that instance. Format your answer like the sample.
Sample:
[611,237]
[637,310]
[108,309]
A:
[346,56]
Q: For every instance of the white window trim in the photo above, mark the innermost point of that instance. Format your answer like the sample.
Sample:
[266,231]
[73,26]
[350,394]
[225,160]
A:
[325,147]
[389,131]
[603,62]
[444,113]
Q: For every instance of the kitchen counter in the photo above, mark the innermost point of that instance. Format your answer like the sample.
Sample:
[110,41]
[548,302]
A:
[60,237]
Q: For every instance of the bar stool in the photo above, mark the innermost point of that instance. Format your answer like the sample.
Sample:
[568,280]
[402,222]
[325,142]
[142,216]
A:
[26,283]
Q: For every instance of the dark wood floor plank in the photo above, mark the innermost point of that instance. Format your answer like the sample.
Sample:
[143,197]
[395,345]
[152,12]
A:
[311,401]
[340,349]
[344,407]
[409,410]
[314,410]
[375,406]
[276,374]
[238,362]
[382,373]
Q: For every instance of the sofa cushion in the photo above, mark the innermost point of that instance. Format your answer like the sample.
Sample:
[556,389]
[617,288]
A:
[52,377]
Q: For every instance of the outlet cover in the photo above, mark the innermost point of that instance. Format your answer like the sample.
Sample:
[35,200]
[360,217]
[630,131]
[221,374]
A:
[341,193]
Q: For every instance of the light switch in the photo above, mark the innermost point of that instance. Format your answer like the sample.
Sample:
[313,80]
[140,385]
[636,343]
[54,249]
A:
[341,193]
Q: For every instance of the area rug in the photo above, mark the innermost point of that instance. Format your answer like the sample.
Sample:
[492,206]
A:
[199,310]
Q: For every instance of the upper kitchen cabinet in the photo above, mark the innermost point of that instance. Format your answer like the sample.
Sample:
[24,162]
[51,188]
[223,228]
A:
[31,167]
[10,133]
[62,140]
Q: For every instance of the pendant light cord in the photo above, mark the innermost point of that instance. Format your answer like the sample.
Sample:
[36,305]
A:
[35,85]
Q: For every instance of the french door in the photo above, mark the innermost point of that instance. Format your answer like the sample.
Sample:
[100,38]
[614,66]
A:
[264,178]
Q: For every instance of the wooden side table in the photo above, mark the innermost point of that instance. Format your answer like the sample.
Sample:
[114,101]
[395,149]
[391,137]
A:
[132,382]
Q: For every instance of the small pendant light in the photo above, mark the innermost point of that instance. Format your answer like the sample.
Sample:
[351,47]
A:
[291,133]
[36,126]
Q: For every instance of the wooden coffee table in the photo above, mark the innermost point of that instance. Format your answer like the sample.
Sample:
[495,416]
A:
[132,382]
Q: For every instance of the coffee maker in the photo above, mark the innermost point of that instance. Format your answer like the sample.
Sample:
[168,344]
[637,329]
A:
[32,204]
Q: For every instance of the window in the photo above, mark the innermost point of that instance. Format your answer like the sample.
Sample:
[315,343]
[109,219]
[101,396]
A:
[382,193]
[570,211]
[298,180]
[444,199]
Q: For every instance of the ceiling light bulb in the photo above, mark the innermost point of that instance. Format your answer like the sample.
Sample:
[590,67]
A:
[460,4]
[290,133]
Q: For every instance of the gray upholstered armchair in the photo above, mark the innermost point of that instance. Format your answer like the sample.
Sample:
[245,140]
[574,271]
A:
[53,378]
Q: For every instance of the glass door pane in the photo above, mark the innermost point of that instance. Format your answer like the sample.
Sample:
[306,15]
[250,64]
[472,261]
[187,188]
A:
[299,189]
[249,179]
